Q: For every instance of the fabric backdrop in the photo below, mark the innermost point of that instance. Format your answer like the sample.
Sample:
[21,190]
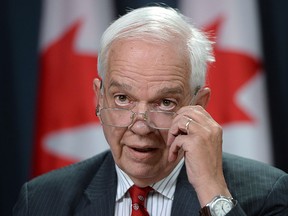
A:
[30,95]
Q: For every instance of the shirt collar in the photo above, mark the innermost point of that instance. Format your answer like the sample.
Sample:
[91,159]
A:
[166,186]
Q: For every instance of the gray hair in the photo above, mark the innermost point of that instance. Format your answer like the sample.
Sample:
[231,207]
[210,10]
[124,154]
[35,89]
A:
[162,24]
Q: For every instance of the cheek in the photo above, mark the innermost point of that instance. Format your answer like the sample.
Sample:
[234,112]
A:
[114,136]
[164,135]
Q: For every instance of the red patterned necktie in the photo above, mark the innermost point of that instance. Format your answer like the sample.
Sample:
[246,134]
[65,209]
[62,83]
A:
[138,196]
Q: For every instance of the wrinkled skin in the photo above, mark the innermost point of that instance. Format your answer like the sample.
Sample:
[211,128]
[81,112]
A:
[143,75]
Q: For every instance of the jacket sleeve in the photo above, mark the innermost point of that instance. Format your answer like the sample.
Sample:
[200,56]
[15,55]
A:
[277,200]
[236,211]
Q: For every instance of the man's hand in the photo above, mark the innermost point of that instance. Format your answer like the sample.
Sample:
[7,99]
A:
[199,136]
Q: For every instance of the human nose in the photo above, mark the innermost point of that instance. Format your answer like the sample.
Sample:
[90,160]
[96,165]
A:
[139,116]
[140,112]
[139,123]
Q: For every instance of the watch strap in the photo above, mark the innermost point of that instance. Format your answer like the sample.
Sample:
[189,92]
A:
[205,211]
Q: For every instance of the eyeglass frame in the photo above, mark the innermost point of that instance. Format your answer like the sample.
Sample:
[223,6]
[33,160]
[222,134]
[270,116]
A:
[98,110]
[132,116]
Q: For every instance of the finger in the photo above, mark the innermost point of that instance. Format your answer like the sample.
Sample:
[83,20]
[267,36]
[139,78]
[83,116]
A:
[182,143]
[198,114]
[200,117]
[179,127]
[174,151]
[187,125]
[187,119]
[193,108]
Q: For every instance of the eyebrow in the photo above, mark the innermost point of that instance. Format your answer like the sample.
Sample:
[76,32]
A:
[168,90]
[124,86]
[164,91]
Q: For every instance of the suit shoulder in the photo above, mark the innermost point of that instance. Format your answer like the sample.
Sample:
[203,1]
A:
[59,192]
[258,187]
[245,165]
[256,180]
[75,174]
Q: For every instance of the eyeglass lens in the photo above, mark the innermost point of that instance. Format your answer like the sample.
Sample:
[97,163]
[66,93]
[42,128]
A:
[124,118]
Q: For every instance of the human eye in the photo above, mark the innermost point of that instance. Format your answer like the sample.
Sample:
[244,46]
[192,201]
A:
[121,100]
[167,104]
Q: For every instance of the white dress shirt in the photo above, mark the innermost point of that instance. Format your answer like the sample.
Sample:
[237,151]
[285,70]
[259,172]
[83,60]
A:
[158,202]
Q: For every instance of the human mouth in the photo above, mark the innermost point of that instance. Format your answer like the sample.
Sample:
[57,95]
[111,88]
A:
[142,153]
[143,149]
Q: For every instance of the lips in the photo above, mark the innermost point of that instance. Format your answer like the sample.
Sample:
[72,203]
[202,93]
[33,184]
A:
[142,154]
[143,149]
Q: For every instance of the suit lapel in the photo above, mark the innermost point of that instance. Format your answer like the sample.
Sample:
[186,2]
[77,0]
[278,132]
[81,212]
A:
[99,197]
[185,198]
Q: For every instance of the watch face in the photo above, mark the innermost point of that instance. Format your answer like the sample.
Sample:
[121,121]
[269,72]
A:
[222,207]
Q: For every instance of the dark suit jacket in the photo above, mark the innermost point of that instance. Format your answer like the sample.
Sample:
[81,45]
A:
[89,188]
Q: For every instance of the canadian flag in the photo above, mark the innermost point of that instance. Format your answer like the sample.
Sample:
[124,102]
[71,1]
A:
[237,80]
[67,129]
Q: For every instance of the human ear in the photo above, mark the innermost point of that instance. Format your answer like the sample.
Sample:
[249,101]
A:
[97,84]
[202,97]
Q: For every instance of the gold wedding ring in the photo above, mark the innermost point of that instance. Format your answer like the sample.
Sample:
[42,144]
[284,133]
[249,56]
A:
[187,125]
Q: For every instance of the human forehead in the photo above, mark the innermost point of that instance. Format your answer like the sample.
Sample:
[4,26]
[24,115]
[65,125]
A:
[148,59]
[142,63]
[149,48]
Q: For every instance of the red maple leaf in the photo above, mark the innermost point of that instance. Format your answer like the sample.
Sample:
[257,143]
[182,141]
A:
[231,71]
[66,97]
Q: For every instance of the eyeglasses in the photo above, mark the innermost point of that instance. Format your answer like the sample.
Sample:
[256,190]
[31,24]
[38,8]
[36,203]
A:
[117,117]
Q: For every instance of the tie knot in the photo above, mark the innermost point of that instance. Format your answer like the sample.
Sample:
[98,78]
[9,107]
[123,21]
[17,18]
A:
[138,194]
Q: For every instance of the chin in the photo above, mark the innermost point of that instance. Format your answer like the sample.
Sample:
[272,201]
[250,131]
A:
[147,174]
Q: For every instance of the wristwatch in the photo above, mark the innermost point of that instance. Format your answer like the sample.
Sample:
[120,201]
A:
[219,206]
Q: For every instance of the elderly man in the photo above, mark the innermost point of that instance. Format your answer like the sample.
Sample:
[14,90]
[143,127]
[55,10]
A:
[165,154]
